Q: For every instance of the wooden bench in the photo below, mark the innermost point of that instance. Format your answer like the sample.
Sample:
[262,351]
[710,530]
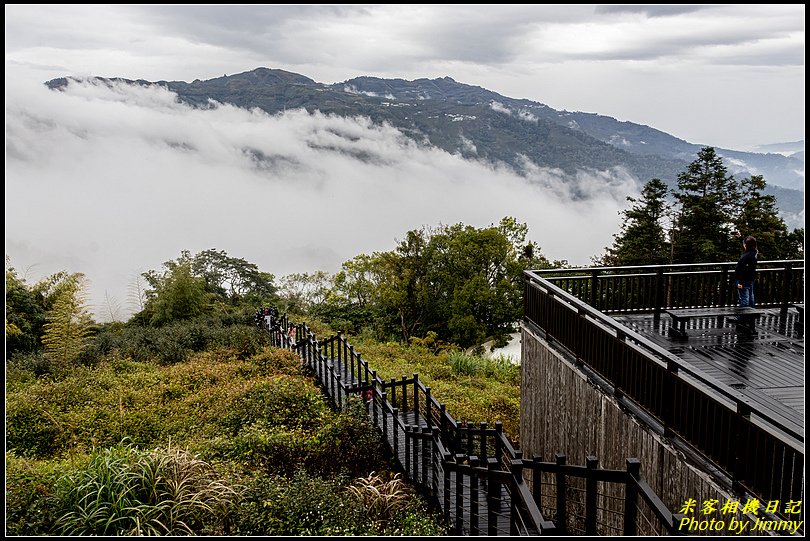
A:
[748,317]
[799,308]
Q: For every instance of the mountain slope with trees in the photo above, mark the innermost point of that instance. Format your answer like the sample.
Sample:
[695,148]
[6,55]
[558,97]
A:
[477,123]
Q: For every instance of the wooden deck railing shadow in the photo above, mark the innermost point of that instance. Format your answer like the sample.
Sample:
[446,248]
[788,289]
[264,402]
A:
[471,470]
[760,452]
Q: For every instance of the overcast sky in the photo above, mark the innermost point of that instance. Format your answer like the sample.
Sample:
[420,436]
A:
[731,76]
[114,181]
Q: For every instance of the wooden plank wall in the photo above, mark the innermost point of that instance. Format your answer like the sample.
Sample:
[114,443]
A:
[561,412]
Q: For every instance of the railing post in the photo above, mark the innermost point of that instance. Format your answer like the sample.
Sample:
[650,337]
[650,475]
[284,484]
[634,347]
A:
[594,282]
[339,402]
[516,468]
[395,430]
[591,463]
[408,452]
[434,477]
[358,369]
[483,428]
[561,521]
[383,398]
[498,441]
[668,398]
[416,461]
[394,392]
[423,448]
[416,395]
[373,406]
[631,496]
[470,438]
[474,510]
[428,408]
[659,294]
[787,285]
[446,495]
[493,498]
[459,496]
[738,468]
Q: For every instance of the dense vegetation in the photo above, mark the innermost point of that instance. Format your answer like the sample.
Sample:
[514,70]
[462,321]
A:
[182,420]
[212,445]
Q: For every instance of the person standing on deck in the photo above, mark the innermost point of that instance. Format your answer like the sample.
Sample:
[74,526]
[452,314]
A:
[745,273]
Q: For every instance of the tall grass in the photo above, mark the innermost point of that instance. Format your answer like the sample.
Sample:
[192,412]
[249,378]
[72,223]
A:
[128,491]
[498,367]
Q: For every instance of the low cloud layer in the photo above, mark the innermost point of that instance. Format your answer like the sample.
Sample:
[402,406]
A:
[114,181]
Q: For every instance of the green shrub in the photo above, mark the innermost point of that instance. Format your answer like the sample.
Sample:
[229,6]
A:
[29,493]
[346,444]
[300,505]
[36,363]
[280,402]
[31,431]
[247,341]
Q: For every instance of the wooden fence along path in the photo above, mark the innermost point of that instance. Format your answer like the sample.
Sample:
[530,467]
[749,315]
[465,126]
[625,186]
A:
[472,471]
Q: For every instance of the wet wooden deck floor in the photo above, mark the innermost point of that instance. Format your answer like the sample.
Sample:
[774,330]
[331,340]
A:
[767,366]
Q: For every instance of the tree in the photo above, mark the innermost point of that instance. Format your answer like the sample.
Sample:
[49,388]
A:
[175,295]
[642,240]
[709,202]
[302,292]
[460,282]
[402,292]
[231,278]
[760,217]
[25,314]
[210,281]
[67,330]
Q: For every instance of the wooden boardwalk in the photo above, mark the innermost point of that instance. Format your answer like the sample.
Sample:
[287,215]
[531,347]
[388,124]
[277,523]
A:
[427,473]
[472,472]
[767,367]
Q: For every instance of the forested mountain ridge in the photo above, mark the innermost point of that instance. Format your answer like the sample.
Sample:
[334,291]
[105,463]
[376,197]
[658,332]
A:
[477,123]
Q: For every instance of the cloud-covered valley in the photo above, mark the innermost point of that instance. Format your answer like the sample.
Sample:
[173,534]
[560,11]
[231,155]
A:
[114,180]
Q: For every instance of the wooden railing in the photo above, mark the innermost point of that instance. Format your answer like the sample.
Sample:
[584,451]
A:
[472,470]
[758,451]
[655,288]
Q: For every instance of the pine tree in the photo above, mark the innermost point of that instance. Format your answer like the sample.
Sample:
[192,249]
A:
[66,332]
[759,217]
[709,200]
[642,240]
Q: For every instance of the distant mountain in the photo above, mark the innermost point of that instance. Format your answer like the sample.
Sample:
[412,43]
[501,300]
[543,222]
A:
[786,149]
[480,124]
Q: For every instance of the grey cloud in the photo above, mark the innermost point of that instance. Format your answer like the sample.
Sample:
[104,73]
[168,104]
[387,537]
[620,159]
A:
[651,10]
[260,29]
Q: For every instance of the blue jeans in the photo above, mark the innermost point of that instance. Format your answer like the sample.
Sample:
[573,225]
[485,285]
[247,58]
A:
[746,293]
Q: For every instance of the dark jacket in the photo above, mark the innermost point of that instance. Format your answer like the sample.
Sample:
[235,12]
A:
[746,269]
